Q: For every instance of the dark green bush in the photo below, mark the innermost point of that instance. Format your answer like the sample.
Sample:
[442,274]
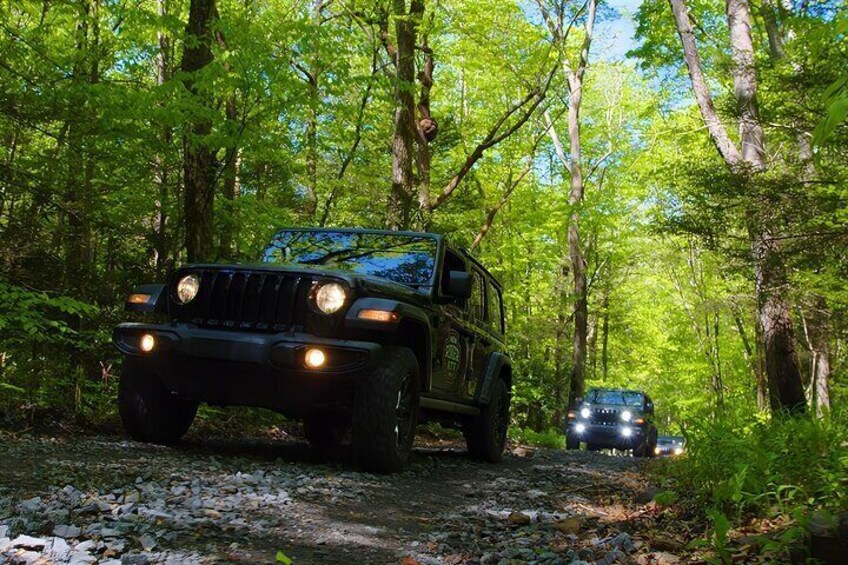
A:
[765,466]
[548,438]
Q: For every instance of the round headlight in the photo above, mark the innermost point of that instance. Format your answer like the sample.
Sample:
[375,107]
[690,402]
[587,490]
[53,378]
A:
[626,415]
[330,297]
[187,288]
[585,413]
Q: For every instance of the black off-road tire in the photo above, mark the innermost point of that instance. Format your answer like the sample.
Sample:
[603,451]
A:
[652,444]
[150,412]
[325,432]
[385,412]
[646,448]
[572,441]
[485,434]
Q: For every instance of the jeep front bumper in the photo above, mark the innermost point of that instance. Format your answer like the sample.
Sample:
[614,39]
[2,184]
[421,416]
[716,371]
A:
[245,368]
[614,436]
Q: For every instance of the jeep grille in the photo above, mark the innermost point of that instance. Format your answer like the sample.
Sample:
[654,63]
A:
[247,300]
[605,417]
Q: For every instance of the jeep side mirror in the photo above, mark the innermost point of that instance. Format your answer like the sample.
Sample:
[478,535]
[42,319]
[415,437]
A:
[649,407]
[459,284]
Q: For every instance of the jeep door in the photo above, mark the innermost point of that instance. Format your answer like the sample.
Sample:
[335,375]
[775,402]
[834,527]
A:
[457,356]
[481,344]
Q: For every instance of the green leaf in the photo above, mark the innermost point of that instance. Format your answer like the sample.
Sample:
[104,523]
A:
[283,558]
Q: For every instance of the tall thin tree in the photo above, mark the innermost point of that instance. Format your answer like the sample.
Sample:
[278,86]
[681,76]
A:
[198,155]
[748,162]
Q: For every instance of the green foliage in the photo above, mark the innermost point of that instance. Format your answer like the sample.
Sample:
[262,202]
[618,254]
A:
[30,317]
[744,465]
[550,438]
[717,538]
[666,498]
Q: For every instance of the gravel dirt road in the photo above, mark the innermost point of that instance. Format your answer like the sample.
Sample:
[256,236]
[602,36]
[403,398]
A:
[106,500]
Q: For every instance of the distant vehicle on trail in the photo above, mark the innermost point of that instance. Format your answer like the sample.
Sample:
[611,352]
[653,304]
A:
[670,446]
[613,419]
[359,333]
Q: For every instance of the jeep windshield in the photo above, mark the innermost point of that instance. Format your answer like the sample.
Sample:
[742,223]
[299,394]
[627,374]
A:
[402,258]
[615,397]
[670,440]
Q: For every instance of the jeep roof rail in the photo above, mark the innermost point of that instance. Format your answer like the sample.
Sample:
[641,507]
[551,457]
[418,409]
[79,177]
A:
[375,231]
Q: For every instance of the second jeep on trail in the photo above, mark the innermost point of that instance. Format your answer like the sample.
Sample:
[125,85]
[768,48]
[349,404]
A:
[614,419]
[359,333]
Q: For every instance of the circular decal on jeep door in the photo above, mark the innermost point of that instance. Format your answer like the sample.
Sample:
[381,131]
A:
[453,356]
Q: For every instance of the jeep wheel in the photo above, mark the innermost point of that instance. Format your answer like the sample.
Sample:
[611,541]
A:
[572,441]
[149,411]
[485,434]
[652,444]
[324,432]
[385,412]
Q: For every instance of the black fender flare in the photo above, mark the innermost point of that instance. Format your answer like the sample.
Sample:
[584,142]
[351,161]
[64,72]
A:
[496,364]
[406,316]
[156,299]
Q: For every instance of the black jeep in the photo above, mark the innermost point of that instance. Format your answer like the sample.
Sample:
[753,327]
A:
[670,446]
[614,419]
[350,330]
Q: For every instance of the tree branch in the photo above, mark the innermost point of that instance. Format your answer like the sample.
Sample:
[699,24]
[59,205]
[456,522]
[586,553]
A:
[490,217]
[729,152]
[529,103]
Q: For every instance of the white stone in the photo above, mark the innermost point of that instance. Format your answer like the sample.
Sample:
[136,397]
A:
[28,542]
[64,531]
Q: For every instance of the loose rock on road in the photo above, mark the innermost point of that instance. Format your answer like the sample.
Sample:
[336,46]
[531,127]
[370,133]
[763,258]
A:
[109,501]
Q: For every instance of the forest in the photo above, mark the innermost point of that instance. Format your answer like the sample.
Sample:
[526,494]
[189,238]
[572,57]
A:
[666,211]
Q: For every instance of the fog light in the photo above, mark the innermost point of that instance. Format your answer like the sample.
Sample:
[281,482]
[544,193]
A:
[678,451]
[147,343]
[580,428]
[657,450]
[626,432]
[314,358]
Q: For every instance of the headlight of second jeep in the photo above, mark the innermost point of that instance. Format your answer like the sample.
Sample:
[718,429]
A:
[329,297]
[187,288]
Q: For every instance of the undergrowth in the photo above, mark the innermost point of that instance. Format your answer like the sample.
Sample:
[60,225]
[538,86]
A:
[549,438]
[781,468]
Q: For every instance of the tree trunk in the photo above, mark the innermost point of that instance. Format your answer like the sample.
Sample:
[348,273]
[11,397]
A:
[753,355]
[198,155]
[163,261]
[775,39]
[426,126]
[781,365]
[762,380]
[578,261]
[562,388]
[817,325]
[784,374]
[312,77]
[79,192]
[228,226]
[786,390]
[405,128]
[605,338]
